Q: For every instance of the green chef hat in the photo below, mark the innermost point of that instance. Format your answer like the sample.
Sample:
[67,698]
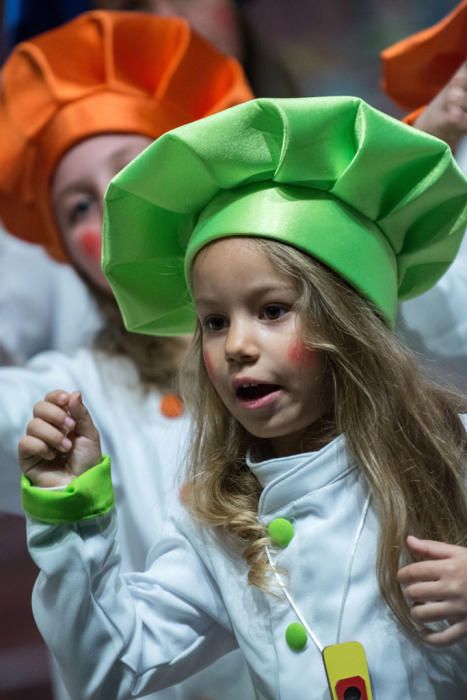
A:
[382,204]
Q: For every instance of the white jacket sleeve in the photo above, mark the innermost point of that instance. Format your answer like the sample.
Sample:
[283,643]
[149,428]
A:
[121,636]
[435,324]
[43,304]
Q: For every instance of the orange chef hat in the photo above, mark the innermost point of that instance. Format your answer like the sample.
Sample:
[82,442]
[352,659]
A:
[417,68]
[103,72]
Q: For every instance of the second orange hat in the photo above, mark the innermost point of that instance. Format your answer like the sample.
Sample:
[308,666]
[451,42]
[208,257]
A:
[417,68]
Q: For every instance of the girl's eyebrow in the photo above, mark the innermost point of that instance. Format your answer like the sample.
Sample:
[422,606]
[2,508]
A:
[73,188]
[255,290]
[116,160]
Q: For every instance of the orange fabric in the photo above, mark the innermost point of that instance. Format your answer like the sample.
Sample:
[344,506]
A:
[416,68]
[103,72]
[413,116]
[171,406]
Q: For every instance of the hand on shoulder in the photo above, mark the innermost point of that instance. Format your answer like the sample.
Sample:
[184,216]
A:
[61,440]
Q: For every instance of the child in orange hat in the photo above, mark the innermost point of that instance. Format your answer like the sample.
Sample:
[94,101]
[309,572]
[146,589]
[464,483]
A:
[427,74]
[77,104]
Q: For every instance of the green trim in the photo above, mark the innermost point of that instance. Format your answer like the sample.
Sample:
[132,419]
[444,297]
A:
[281,532]
[88,496]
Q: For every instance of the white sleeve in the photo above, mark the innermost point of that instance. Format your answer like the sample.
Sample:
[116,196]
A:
[122,636]
[20,389]
[43,304]
[435,324]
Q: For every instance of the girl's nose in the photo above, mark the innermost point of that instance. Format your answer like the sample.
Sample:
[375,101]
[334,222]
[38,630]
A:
[240,343]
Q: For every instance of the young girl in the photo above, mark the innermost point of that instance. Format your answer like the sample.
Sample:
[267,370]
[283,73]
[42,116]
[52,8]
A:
[78,103]
[319,455]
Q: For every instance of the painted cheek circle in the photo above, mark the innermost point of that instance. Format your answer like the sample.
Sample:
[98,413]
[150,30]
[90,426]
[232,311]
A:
[90,243]
[301,356]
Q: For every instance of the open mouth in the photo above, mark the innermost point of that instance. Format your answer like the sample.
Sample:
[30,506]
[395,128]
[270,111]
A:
[252,392]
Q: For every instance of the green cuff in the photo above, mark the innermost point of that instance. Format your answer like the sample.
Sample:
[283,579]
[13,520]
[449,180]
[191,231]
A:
[88,496]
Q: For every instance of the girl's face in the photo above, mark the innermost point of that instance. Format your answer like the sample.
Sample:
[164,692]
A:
[252,344]
[78,188]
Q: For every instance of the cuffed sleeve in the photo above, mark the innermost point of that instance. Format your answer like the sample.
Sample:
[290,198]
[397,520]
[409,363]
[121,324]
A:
[124,635]
[88,496]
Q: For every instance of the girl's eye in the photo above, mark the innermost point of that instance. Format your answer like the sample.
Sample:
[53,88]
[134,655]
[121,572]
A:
[272,312]
[215,323]
[79,210]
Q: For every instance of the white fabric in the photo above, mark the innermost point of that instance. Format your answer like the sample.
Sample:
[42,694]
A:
[43,305]
[193,603]
[145,449]
[434,324]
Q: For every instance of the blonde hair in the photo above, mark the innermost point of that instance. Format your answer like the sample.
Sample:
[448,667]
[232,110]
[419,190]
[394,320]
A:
[156,359]
[403,432]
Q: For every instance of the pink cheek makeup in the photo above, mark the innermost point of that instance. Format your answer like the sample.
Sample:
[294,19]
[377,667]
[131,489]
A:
[90,243]
[301,356]
[208,365]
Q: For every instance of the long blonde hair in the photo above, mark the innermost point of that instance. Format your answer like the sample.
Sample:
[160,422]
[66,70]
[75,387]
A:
[403,432]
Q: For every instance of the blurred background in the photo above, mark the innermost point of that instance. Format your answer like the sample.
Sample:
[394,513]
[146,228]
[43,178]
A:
[312,48]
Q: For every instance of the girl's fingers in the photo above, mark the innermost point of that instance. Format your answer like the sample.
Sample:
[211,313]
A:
[31,448]
[58,397]
[84,424]
[55,415]
[450,635]
[432,549]
[434,612]
[425,592]
[420,571]
[53,437]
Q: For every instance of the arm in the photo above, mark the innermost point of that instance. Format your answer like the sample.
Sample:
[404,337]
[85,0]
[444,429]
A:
[36,297]
[435,324]
[446,115]
[151,630]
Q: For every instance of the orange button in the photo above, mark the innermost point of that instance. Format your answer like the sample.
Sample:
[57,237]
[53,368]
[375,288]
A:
[172,406]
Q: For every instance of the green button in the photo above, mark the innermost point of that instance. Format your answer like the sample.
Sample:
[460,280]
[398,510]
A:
[281,532]
[296,636]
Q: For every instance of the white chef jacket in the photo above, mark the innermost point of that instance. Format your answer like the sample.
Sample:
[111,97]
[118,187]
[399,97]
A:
[193,603]
[43,304]
[146,448]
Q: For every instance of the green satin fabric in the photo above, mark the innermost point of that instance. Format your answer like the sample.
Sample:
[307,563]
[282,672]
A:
[88,496]
[380,203]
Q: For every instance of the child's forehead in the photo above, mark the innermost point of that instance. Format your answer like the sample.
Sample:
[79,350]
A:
[105,153]
[240,251]
[242,263]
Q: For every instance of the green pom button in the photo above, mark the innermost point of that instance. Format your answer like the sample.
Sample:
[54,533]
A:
[281,532]
[296,636]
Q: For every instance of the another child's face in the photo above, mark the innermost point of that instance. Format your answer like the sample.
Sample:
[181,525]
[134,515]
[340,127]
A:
[78,189]
[252,344]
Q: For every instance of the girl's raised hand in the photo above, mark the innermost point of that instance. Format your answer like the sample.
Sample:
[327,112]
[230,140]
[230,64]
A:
[61,441]
[436,588]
